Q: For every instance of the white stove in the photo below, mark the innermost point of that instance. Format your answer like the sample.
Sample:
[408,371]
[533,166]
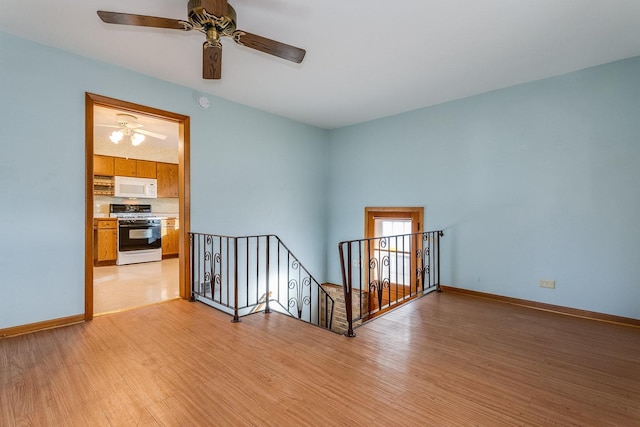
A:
[139,234]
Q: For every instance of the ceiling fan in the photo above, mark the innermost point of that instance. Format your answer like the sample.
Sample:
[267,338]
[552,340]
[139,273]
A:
[214,18]
[128,125]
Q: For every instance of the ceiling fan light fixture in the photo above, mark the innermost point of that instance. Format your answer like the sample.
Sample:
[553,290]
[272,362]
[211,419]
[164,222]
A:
[136,138]
[116,136]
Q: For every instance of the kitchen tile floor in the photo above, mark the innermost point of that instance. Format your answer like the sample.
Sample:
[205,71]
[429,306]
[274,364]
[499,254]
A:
[117,288]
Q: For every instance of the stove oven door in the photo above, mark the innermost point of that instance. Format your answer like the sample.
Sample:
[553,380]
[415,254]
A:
[139,235]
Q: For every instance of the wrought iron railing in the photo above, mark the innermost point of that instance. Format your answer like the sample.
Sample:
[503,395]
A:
[244,275]
[381,273]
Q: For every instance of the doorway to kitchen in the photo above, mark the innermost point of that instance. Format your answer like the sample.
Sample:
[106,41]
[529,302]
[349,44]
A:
[137,205]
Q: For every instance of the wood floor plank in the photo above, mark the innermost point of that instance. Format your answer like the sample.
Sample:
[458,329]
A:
[445,359]
[30,387]
[122,405]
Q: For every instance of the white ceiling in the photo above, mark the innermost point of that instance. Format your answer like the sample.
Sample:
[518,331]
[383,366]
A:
[366,59]
[105,123]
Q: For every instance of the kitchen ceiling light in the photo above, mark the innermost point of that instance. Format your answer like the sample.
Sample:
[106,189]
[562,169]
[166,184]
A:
[137,138]
[116,136]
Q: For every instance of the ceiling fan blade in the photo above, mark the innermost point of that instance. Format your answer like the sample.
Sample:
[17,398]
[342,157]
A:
[151,134]
[108,126]
[211,61]
[143,20]
[215,7]
[272,47]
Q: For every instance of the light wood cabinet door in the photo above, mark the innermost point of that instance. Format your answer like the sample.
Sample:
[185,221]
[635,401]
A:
[146,169]
[167,174]
[105,242]
[125,167]
[170,237]
[103,165]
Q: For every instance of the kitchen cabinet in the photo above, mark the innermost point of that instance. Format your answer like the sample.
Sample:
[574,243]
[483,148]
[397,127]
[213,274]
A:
[167,175]
[131,167]
[105,241]
[170,237]
[146,169]
[125,167]
[103,165]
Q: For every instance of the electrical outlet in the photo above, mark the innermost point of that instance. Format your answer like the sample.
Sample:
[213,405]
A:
[550,284]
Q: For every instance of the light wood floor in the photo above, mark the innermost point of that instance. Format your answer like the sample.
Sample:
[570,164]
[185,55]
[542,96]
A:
[127,286]
[445,360]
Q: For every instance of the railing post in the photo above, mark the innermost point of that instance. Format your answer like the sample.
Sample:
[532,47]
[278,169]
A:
[236,318]
[330,326]
[191,267]
[438,289]
[347,286]
[267,296]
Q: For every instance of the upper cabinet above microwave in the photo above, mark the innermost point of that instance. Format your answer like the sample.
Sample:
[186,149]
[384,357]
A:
[119,166]
[134,168]
[108,166]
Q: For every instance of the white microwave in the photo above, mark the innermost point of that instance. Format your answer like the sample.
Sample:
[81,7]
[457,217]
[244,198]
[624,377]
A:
[143,188]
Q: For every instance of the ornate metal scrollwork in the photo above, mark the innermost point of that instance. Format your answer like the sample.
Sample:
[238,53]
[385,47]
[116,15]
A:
[383,242]
[385,260]
[203,285]
[378,283]
[212,275]
[299,299]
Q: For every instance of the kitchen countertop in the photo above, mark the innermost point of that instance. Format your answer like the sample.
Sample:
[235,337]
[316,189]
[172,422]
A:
[166,215]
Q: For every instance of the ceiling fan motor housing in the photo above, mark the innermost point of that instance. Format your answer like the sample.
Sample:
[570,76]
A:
[202,20]
[127,120]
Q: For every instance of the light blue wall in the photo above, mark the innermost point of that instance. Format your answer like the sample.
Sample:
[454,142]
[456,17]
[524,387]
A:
[251,172]
[537,181]
[532,182]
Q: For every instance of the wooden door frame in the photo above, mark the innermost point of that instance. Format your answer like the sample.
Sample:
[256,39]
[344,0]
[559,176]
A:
[370,213]
[416,214]
[183,122]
